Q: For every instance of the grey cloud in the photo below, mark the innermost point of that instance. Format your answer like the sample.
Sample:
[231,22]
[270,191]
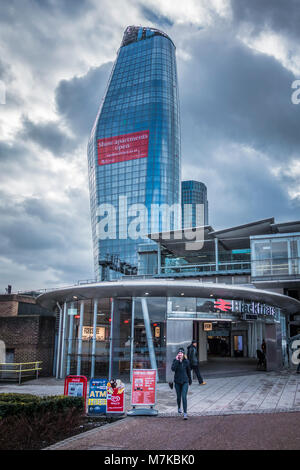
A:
[68,7]
[234,99]
[78,99]
[243,189]
[13,9]
[10,152]
[42,236]
[229,92]
[155,17]
[48,136]
[280,15]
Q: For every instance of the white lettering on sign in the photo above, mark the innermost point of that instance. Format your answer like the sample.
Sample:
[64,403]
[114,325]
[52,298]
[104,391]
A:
[88,333]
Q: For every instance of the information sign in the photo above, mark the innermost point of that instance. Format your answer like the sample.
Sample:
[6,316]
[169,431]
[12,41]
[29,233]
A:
[75,386]
[143,390]
[97,396]
[115,397]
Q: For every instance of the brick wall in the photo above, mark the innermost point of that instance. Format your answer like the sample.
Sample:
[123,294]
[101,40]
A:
[31,337]
[9,304]
[9,308]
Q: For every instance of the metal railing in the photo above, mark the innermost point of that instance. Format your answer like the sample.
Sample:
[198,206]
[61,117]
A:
[208,268]
[17,371]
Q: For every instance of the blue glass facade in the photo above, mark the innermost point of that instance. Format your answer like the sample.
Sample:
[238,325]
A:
[141,102]
[193,193]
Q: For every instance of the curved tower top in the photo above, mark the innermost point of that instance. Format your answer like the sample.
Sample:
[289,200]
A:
[139,33]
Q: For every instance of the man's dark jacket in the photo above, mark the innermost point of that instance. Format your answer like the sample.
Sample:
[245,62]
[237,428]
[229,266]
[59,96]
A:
[182,371]
[192,355]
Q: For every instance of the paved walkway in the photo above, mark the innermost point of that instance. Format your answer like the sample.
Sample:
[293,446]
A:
[255,393]
[271,431]
[254,411]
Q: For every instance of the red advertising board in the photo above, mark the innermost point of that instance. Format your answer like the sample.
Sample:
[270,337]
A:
[75,386]
[115,401]
[123,147]
[143,387]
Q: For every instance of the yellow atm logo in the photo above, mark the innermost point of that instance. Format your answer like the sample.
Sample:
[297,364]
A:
[98,394]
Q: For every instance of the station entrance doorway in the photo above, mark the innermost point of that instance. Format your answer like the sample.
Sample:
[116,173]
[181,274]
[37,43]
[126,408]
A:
[223,347]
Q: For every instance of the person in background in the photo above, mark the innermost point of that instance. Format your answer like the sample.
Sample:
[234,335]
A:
[182,380]
[193,359]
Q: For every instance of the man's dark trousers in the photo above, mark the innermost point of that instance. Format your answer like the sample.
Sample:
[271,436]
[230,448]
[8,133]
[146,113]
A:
[196,369]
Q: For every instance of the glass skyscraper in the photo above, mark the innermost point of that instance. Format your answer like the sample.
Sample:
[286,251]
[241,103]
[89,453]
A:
[193,193]
[134,149]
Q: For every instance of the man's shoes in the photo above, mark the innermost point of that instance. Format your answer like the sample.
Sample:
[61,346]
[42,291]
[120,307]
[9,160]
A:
[179,411]
[185,416]
[203,383]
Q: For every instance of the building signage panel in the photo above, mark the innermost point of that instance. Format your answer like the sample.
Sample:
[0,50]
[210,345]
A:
[143,390]
[207,326]
[123,147]
[253,308]
[218,333]
[88,331]
[115,397]
[72,311]
[97,396]
[220,308]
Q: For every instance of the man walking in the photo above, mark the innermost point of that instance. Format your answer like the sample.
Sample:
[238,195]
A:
[193,359]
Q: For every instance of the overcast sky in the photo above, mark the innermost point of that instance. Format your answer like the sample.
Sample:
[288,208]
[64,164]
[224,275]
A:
[236,59]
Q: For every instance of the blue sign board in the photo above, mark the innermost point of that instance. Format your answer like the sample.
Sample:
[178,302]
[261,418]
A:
[97,396]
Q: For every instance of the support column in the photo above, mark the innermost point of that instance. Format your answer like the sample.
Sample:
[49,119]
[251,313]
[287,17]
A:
[94,338]
[289,257]
[79,351]
[158,259]
[59,346]
[132,338]
[70,340]
[63,341]
[217,254]
[111,339]
[273,346]
[149,334]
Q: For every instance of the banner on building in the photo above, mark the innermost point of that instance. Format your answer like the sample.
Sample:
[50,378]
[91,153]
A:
[143,390]
[123,147]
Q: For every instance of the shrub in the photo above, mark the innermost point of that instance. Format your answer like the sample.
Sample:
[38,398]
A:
[32,422]
[16,404]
